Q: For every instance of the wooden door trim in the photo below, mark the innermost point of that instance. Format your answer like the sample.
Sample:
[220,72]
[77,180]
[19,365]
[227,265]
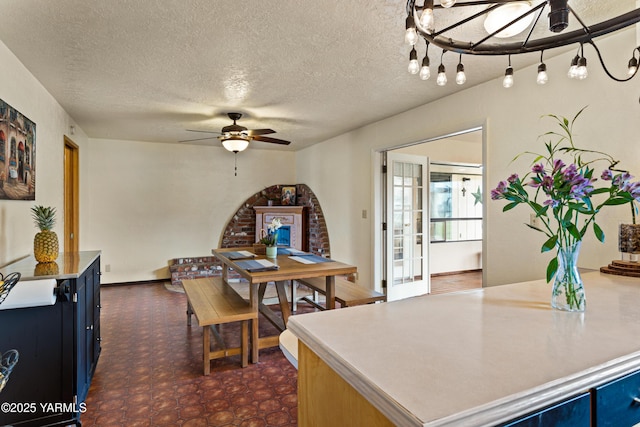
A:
[71,195]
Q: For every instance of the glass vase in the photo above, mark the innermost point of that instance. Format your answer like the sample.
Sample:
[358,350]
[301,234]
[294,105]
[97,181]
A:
[568,290]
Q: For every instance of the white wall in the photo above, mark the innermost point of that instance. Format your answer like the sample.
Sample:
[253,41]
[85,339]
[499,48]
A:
[151,202]
[23,92]
[512,125]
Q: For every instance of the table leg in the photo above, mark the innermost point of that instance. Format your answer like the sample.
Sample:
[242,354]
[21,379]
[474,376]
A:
[331,292]
[284,304]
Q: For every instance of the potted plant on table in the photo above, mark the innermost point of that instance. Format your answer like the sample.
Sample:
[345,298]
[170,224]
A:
[269,238]
[563,200]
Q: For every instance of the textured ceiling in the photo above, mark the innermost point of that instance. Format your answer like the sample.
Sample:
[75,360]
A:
[149,69]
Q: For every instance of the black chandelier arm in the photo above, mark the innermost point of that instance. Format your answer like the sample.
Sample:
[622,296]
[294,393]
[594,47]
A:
[583,35]
[533,10]
[462,22]
[411,4]
[606,70]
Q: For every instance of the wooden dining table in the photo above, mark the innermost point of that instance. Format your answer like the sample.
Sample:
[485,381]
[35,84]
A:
[288,269]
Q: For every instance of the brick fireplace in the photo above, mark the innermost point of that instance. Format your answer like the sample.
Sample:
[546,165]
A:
[241,231]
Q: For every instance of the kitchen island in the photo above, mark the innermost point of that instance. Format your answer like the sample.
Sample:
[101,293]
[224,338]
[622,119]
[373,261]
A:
[58,342]
[476,358]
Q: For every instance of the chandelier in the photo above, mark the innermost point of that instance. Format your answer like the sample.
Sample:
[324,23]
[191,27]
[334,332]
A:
[510,27]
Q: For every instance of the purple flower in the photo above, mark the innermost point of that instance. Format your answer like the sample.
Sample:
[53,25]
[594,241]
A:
[539,168]
[552,202]
[607,175]
[558,164]
[547,184]
[513,178]
[499,191]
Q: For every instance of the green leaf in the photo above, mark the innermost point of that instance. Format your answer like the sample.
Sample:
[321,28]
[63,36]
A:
[533,227]
[600,190]
[598,231]
[573,230]
[510,206]
[549,244]
[616,201]
[552,268]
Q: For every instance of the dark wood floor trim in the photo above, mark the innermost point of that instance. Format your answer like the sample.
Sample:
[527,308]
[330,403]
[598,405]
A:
[449,273]
[141,282]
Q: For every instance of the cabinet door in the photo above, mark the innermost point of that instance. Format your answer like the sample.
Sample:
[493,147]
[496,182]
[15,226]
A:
[569,413]
[615,404]
[82,329]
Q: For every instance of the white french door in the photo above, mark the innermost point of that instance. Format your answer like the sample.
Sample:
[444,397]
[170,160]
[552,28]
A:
[407,226]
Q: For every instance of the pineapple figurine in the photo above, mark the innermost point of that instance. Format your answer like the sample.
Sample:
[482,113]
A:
[45,243]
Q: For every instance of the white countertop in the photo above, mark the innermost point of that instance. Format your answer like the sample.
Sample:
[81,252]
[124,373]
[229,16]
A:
[70,265]
[479,357]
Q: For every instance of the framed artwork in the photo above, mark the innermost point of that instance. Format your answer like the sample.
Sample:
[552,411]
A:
[288,196]
[17,155]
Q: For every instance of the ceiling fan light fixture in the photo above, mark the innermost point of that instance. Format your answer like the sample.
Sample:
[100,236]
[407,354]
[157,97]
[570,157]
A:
[506,13]
[235,144]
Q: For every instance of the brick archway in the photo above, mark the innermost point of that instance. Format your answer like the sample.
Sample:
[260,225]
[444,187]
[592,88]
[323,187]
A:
[241,228]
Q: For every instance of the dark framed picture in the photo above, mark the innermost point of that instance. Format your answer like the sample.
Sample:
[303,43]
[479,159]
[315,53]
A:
[17,155]
[288,196]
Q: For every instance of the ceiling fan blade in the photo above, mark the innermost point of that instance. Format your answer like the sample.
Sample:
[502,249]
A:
[254,132]
[271,140]
[198,139]
[203,131]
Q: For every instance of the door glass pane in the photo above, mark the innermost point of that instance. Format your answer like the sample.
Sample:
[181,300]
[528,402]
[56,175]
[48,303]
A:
[407,223]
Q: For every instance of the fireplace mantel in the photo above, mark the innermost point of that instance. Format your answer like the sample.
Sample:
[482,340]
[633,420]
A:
[290,216]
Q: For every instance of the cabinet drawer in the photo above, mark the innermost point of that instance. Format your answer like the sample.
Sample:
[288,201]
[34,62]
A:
[574,412]
[613,402]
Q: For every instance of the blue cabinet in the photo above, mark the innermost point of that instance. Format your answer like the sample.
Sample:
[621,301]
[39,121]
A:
[59,346]
[615,404]
[573,412]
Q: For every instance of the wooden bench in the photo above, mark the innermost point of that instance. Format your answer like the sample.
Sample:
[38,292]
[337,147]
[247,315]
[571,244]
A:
[214,302]
[347,293]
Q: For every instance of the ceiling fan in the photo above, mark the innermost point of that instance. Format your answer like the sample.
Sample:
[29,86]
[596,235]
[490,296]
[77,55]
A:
[236,138]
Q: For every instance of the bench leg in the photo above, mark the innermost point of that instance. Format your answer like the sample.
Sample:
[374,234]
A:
[244,337]
[189,313]
[206,349]
[294,301]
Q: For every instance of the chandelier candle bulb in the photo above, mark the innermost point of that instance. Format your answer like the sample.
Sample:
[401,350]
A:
[581,72]
[414,67]
[442,77]
[543,78]
[426,20]
[507,82]
[410,35]
[425,71]
[573,69]
[461,77]
[632,67]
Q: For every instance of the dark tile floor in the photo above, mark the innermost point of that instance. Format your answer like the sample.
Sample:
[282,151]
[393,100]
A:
[150,369]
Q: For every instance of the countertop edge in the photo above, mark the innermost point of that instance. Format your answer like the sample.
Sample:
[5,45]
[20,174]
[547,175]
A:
[492,413]
[391,409]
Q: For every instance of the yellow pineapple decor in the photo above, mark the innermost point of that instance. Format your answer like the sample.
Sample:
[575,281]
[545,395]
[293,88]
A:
[45,243]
